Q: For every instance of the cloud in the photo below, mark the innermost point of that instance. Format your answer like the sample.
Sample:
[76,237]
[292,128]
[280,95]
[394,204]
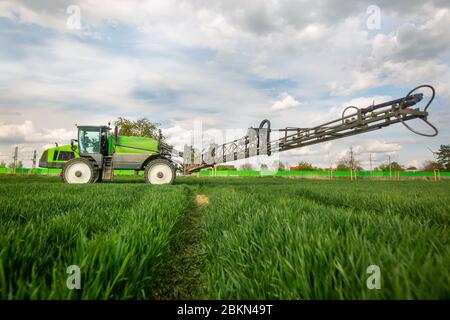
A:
[17,133]
[381,146]
[413,72]
[304,151]
[287,103]
[414,163]
[416,42]
[410,55]
[8,113]
[358,81]
[178,137]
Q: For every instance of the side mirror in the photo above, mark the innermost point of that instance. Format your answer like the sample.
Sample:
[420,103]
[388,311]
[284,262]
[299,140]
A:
[72,144]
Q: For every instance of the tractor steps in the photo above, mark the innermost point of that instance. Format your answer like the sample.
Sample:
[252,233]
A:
[107,172]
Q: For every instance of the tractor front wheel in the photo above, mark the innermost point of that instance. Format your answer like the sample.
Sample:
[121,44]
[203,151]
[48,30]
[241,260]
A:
[159,171]
[78,170]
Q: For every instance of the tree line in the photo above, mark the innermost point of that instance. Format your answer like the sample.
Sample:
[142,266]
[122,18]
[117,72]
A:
[349,162]
[3,164]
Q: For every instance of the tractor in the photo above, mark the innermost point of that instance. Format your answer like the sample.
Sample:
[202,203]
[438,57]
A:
[97,152]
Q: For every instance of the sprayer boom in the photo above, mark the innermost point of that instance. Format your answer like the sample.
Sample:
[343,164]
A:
[353,121]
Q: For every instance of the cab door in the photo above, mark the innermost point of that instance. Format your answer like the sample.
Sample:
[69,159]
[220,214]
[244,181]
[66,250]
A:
[104,136]
[90,143]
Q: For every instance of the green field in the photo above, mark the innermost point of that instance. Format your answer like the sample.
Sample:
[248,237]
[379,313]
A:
[258,238]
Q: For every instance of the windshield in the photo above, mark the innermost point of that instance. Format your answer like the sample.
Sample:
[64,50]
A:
[89,141]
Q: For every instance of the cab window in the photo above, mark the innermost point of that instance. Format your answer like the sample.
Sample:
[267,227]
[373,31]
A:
[89,141]
[65,155]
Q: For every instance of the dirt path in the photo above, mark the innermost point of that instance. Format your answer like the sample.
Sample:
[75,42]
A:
[201,201]
[181,275]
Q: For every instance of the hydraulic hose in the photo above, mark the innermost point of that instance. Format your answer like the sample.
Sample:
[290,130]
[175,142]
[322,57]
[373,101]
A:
[436,131]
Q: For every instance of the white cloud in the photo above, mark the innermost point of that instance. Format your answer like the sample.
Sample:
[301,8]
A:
[178,137]
[10,131]
[381,146]
[408,55]
[414,163]
[287,103]
[357,81]
[413,72]
[17,11]
[415,42]
[304,151]
[16,133]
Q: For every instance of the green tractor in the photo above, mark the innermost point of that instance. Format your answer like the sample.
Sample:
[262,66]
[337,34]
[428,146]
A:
[97,152]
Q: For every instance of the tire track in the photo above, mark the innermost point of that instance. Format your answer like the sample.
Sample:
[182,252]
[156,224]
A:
[180,277]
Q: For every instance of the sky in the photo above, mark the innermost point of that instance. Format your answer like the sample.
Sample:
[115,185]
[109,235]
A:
[223,64]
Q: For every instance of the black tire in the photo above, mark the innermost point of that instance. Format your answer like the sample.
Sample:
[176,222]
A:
[78,161]
[98,176]
[168,174]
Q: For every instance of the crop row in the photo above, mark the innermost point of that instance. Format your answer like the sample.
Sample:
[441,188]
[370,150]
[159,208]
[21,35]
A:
[315,240]
[117,235]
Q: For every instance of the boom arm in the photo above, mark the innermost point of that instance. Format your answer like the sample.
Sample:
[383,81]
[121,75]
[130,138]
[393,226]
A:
[361,120]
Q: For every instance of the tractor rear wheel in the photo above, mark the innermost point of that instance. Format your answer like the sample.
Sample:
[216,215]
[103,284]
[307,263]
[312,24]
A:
[159,171]
[78,170]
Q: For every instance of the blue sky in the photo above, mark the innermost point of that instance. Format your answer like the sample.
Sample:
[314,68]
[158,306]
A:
[226,64]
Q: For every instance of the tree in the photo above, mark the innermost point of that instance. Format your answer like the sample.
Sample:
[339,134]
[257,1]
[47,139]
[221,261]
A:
[3,164]
[342,167]
[278,165]
[138,128]
[411,168]
[246,167]
[349,162]
[395,166]
[429,166]
[305,166]
[224,167]
[264,167]
[19,165]
[443,157]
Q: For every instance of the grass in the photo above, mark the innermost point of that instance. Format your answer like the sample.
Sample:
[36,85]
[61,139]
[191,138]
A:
[259,238]
[117,234]
[315,240]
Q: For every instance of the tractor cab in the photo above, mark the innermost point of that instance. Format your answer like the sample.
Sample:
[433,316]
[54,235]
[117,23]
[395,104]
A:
[95,161]
[93,140]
